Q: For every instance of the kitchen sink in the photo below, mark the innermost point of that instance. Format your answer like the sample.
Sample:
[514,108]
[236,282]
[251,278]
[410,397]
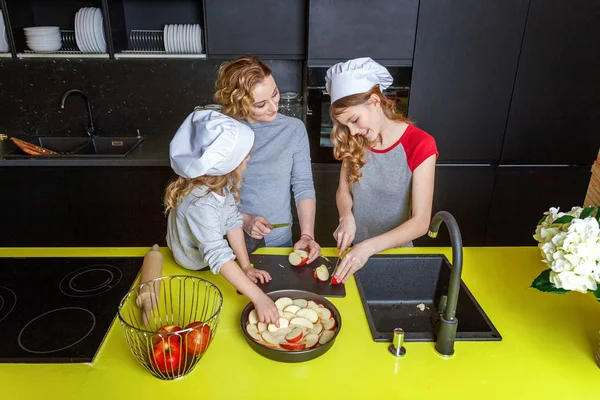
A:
[81,147]
[409,292]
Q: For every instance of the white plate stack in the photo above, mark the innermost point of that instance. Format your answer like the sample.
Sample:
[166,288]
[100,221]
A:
[183,39]
[43,39]
[3,37]
[89,30]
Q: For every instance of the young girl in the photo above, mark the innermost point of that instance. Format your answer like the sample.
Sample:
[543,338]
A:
[209,153]
[280,157]
[385,193]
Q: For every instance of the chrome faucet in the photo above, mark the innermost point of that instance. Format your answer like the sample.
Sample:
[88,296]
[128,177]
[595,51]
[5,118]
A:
[90,129]
[448,323]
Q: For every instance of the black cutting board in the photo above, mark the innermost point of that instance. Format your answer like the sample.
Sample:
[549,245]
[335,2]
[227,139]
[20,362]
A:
[301,278]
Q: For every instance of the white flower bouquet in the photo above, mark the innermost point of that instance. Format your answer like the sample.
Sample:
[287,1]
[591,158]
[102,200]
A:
[570,246]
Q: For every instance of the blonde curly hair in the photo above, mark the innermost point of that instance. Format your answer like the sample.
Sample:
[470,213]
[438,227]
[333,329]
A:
[351,149]
[181,186]
[235,82]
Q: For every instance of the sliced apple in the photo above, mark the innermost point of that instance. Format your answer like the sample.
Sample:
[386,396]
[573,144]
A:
[288,315]
[280,313]
[316,330]
[326,337]
[309,314]
[253,317]
[268,345]
[311,340]
[281,333]
[283,302]
[267,337]
[253,332]
[295,336]
[311,304]
[293,346]
[300,303]
[324,313]
[292,309]
[303,322]
[283,323]
[329,324]
[298,258]
[261,327]
[322,273]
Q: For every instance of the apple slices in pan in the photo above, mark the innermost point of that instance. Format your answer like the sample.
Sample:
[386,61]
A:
[303,324]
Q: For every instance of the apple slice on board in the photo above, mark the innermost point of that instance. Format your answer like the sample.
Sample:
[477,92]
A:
[253,317]
[311,340]
[283,323]
[326,337]
[316,330]
[292,309]
[329,324]
[303,322]
[283,302]
[309,314]
[298,258]
[293,346]
[253,332]
[321,273]
[295,336]
[300,303]
[324,313]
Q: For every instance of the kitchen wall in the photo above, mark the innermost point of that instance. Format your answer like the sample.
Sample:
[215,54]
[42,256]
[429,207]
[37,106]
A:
[153,96]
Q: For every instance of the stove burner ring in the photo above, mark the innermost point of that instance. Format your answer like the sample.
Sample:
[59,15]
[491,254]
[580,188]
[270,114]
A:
[114,277]
[8,298]
[64,347]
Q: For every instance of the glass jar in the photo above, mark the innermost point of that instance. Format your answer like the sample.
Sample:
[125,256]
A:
[290,105]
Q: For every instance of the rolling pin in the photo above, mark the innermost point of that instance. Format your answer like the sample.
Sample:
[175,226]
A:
[148,295]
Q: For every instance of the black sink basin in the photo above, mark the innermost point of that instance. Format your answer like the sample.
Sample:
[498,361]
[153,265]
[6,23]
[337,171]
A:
[394,289]
[81,147]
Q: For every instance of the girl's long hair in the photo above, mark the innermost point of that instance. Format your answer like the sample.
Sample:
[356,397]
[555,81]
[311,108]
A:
[351,149]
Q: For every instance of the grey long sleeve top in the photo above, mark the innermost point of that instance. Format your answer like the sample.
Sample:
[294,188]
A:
[196,229]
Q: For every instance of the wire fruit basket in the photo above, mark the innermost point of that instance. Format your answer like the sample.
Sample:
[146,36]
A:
[170,322]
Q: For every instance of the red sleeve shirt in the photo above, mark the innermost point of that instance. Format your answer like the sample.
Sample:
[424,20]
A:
[418,146]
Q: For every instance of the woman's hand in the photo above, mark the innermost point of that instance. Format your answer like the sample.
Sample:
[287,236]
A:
[257,275]
[345,232]
[353,261]
[310,245]
[256,227]
[266,310]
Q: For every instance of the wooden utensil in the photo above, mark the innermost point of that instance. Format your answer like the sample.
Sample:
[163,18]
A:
[149,294]
[31,148]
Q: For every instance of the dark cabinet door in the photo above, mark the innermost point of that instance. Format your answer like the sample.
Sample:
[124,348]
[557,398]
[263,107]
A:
[465,191]
[268,28]
[35,209]
[466,55]
[118,206]
[554,116]
[344,29]
[523,194]
[326,178]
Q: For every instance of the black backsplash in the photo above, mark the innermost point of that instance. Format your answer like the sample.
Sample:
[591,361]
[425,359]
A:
[153,96]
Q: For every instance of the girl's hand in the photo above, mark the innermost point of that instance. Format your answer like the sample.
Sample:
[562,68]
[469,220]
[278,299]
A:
[266,310]
[256,227]
[313,248]
[345,232]
[257,275]
[353,261]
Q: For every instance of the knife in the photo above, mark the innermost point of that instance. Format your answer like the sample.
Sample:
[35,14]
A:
[275,226]
[338,263]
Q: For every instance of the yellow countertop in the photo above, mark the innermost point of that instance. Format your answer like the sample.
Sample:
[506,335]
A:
[546,351]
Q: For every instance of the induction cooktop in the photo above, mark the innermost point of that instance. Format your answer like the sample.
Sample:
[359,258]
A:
[59,310]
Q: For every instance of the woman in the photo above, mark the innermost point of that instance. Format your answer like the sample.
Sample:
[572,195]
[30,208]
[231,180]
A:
[280,157]
[385,193]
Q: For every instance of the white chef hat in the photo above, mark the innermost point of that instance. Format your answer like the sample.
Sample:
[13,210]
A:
[209,143]
[356,76]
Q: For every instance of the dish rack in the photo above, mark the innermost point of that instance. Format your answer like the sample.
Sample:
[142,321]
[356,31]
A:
[147,40]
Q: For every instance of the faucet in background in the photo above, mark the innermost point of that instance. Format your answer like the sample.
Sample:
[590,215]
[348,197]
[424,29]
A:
[90,129]
[448,322]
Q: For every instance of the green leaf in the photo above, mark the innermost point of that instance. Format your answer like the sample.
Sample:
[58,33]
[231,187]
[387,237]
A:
[565,219]
[542,220]
[543,284]
[586,212]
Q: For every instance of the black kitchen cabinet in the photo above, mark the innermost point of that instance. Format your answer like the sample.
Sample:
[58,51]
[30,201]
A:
[268,28]
[465,191]
[523,194]
[466,56]
[326,178]
[117,206]
[384,30]
[554,115]
[35,210]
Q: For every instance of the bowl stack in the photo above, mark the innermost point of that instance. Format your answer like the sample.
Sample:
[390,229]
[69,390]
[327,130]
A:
[43,38]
